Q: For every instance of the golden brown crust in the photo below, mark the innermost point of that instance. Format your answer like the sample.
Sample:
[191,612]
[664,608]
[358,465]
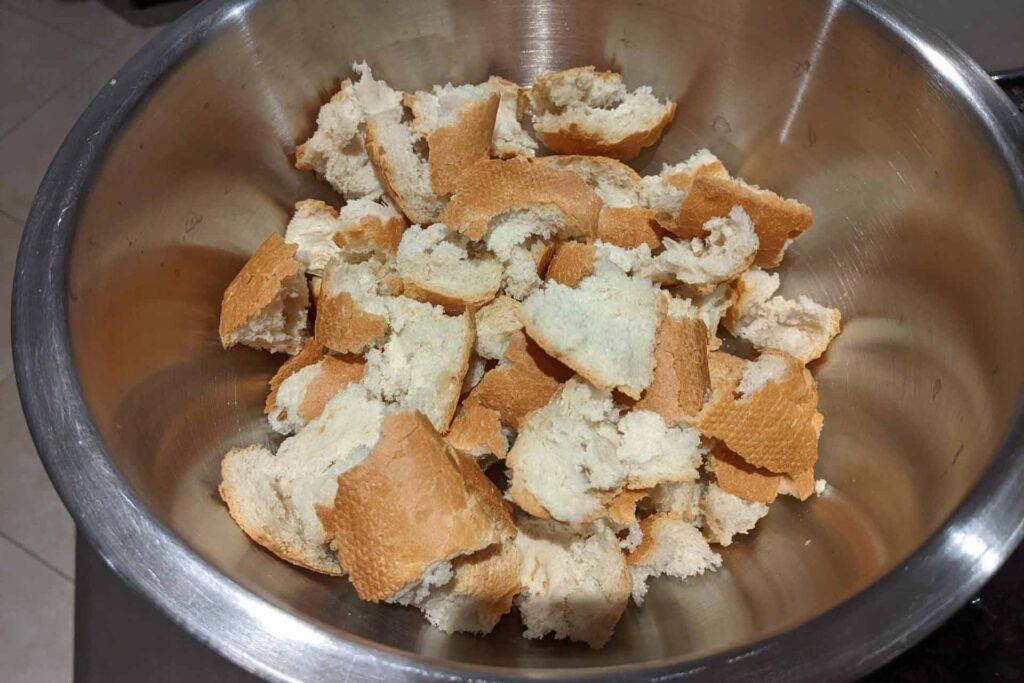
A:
[378,157]
[310,353]
[802,483]
[492,576]
[572,261]
[344,327]
[647,543]
[477,431]
[681,376]
[629,227]
[372,232]
[525,382]
[451,304]
[457,147]
[496,186]
[776,427]
[776,220]
[335,374]
[412,502]
[622,508]
[738,477]
[257,285]
[713,170]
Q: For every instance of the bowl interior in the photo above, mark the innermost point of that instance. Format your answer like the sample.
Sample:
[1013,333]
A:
[917,240]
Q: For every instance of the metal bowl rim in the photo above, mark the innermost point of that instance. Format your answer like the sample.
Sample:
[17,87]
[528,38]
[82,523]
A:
[866,630]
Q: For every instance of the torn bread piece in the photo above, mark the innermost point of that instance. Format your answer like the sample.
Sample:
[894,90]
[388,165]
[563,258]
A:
[681,378]
[766,411]
[523,383]
[679,499]
[335,152]
[629,227]
[423,362]
[670,547]
[603,328]
[476,431]
[498,187]
[303,395]
[776,220]
[310,353]
[273,498]
[495,324]
[710,308]
[457,121]
[727,250]
[653,452]
[564,463]
[408,509]
[727,516]
[801,327]
[574,586]
[311,229]
[614,182]
[391,146]
[510,138]
[441,266]
[351,314]
[701,164]
[480,592]
[585,111]
[265,306]
[572,261]
[369,228]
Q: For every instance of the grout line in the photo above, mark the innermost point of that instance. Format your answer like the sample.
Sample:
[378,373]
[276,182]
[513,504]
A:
[41,22]
[33,554]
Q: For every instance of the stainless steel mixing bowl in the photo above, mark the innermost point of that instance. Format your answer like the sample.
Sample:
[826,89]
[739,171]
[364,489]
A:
[909,156]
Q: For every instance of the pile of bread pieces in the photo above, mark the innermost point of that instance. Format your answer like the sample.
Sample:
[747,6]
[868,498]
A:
[505,384]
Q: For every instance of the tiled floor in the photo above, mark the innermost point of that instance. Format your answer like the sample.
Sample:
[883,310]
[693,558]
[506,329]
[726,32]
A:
[54,56]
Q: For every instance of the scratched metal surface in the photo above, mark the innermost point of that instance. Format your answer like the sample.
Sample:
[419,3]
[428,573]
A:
[903,149]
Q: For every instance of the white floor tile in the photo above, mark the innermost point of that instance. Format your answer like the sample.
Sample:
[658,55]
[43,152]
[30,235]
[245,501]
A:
[36,620]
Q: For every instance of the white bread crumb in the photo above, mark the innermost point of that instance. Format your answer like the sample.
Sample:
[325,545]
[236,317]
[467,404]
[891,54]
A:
[672,548]
[727,251]
[726,515]
[495,324]
[768,368]
[654,452]
[510,138]
[438,261]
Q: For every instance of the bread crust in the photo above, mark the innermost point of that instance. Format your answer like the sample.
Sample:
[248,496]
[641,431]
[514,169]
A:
[525,382]
[344,327]
[496,186]
[381,236]
[738,477]
[377,153]
[572,261]
[412,502]
[335,374]
[456,148]
[257,285]
[776,427]
[629,227]
[477,431]
[310,353]
[776,220]
[681,376]
[715,169]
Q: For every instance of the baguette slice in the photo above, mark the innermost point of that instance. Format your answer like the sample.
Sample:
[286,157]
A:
[273,498]
[564,463]
[776,220]
[727,516]
[265,306]
[766,411]
[336,152]
[302,396]
[510,138]
[411,507]
[585,111]
[423,362]
[523,383]
[670,547]
[436,265]
[727,250]
[495,188]
[801,327]
[574,586]
[391,146]
[481,592]
[458,125]
[604,328]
